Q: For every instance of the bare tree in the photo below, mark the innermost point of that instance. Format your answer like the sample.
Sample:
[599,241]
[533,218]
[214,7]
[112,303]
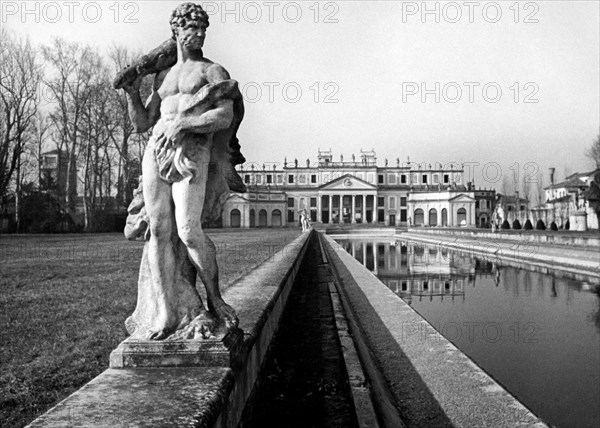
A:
[20,75]
[96,134]
[71,67]
[41,132]
[129,144]
[593,151]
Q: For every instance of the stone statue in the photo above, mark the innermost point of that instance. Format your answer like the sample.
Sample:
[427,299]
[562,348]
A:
[308,163]
[188,171]
[304,221]
[386,162]
[296,162]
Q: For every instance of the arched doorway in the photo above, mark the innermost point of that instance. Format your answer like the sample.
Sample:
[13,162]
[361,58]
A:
[252,218]
[276,218]
[262,218]
[419,217]
[235,218]
[444,217]
[461,217]
[433,217]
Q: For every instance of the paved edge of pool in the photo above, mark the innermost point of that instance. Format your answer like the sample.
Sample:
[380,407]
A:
[518,254]
[416,374]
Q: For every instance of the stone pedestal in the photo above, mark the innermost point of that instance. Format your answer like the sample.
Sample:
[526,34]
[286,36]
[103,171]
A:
[177,353]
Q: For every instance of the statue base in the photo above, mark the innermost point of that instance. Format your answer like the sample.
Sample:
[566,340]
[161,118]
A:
[178,353]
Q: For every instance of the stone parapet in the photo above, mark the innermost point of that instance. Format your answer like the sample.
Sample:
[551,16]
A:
[565,238]
[198,395]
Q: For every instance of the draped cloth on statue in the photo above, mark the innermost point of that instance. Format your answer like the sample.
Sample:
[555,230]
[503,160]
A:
[176,161]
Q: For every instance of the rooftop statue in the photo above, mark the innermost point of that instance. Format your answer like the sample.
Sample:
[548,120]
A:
[188,170]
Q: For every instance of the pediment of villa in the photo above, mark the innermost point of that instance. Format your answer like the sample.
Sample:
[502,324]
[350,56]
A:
[462,198]
[234,197]
[347,183]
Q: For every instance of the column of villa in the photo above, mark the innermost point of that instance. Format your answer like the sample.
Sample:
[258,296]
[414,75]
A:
[330,209]
[374,209]
[353,212]
[363,208]
[319,197]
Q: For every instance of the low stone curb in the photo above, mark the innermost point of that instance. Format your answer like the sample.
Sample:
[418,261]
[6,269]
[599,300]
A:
[504,251]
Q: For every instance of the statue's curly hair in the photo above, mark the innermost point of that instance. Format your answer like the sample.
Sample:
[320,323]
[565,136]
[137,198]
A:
[186,12]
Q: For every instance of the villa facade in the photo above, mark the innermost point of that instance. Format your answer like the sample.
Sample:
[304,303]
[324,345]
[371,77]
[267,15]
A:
[356,191]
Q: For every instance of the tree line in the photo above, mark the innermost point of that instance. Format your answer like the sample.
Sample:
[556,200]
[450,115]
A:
[59,96]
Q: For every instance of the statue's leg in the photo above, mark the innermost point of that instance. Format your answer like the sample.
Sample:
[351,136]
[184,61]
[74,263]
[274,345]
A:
[189,196]
[161,257]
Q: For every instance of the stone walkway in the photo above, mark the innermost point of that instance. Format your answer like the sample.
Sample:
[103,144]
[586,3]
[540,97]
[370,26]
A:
[576,260]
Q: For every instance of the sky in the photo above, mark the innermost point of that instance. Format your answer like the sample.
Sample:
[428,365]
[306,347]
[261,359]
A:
[508,88]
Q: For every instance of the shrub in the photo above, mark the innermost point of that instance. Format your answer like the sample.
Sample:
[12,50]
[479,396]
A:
[505,225]
[553,226]
[516,225]
[528,225]
[540,225]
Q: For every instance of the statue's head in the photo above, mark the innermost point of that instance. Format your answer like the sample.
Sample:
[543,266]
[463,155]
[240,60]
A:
[188,24]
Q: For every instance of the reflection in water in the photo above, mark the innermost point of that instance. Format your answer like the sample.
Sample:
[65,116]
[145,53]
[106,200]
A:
[537,333]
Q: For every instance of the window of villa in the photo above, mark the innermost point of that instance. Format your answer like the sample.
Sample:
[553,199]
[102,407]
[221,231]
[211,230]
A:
[403,179]
[402,202]
[446,179]
[290,202]
[313,202]
[425,179]
[302,179]
[313,178]
[392,202]
[380,179]
[269,179]
[436,179]
[380,201]
[247,178]
[391,178]
[279,179]
[259,179]
[290,179]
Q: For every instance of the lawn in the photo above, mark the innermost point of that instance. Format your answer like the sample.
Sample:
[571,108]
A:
[63,302]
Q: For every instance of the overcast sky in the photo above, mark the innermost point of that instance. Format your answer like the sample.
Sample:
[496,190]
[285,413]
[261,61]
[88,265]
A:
[362,66]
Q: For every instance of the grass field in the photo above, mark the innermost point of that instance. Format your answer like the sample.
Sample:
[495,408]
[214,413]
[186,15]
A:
[63,302]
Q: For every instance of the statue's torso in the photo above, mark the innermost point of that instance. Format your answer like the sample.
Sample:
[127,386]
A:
[180,84]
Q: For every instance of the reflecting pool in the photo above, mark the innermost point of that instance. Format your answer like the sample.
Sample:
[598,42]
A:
[537,333]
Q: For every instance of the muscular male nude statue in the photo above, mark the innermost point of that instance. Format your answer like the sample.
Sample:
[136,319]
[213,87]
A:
[175,167]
